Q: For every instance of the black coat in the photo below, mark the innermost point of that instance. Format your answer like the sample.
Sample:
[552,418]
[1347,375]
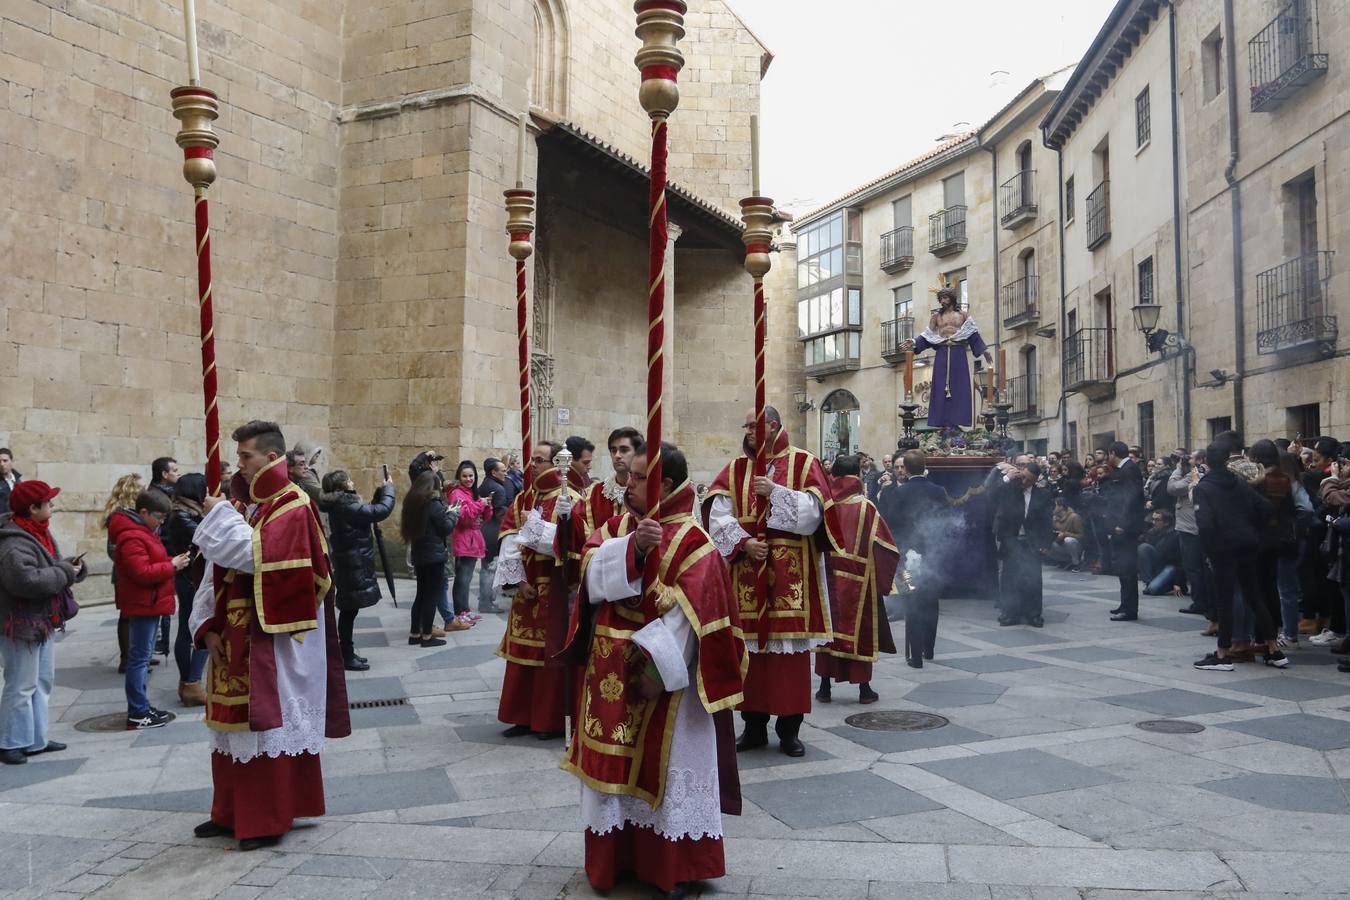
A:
[501,493]
[5,489]
[1229,514]
[916,512]
[1012,515]
[352,544]
[176,535]
[430,549]
[1123,491]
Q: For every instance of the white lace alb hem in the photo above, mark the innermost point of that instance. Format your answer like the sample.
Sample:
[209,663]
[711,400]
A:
[728,536]
[510,570]
[692,808]
[302,731]
[786,645]
[534,531]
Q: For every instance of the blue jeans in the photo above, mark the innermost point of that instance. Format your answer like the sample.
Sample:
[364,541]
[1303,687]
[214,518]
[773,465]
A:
[190,662]
[1158,579]
[141,634]
[1290,595]
[29,671]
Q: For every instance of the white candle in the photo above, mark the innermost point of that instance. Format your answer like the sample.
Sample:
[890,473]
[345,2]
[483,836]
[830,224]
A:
[520,153]
[190,36]
[754,155]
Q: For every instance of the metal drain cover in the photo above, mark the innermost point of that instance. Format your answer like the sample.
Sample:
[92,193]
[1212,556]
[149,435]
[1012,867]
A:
[378,704]
[108,723]
[1170,726]
[896,720]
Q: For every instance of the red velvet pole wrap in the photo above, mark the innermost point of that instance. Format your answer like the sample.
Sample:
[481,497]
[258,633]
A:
[757,213]
[208,332]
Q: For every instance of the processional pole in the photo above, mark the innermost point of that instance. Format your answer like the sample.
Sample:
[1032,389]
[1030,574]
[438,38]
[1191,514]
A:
[196,107]
[757,214]
[660,25]
[520,226]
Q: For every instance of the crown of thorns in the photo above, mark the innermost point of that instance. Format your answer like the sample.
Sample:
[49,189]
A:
[942,287]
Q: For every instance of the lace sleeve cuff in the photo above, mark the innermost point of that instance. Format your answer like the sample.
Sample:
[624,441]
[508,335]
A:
[728,538]
[792,511]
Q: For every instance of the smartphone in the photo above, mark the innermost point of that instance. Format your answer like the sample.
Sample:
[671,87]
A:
[80,558]
[384,467]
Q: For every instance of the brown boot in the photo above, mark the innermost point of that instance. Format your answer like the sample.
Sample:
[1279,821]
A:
[1211,630]
[1308,626]
[191,693]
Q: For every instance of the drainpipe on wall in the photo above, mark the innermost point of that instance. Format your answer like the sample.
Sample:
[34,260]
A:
[1063,308]
[998,313]
[1187,357]
[1235,203]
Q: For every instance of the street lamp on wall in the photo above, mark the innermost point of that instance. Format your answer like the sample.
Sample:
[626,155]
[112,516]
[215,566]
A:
[1158,340]
[804,403]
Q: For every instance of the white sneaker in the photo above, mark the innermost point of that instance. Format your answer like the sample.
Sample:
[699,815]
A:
[1325,638]
[1286,642]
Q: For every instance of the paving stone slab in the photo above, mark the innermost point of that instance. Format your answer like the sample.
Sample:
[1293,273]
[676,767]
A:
[31,773]
[802,803]
[1302,729]
[995,663]
[1139,870]
[1291,687]
[381,716]
[1295,793]
[458,657]
[377,688]
[770,756]
[374,868]
[1179,624]
[1090,654]
[1018,773]
[962,692]
[177,732]
[1016,636]
[900,741]
[1176,702]
[365,639]
[491,733]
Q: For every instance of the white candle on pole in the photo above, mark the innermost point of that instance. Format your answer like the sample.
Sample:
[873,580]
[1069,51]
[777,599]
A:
[520,153]
[754,155]
[190,36]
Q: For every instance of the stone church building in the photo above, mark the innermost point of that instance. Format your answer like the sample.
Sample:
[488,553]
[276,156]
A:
[364,296]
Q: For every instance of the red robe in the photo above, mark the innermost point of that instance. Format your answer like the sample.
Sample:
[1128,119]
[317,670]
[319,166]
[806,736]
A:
[534,691]
[794,605]
[623,743]
[291,578]
[859,574]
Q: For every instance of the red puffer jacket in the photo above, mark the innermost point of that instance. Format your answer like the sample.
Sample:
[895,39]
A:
[144,569]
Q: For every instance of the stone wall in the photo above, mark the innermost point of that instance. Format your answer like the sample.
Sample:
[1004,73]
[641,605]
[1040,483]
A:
[100,368]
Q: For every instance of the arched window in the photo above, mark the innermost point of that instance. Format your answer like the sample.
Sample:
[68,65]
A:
[552,52]
[1024,157]
[1027,264]
[840,424]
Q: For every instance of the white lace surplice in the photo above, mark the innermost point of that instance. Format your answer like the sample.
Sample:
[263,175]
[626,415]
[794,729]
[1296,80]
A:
[536,535]
[692,807]
[226,539]
[795,512]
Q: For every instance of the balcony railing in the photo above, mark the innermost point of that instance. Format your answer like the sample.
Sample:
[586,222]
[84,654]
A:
[1099,215]
[1292,305]
[1285,55]
[1023,395]
[897,249]
[1089,358]
[893,334]
[947,231]
[1019,302]
[1017,199]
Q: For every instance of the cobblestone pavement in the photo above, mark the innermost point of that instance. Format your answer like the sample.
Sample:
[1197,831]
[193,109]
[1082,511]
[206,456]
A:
[1042,786]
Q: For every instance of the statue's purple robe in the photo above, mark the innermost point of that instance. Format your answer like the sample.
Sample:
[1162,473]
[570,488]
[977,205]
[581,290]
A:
[952,400]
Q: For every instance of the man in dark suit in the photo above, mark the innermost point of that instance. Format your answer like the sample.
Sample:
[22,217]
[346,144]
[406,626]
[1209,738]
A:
[1022,528]
[1123,491]
[918,513]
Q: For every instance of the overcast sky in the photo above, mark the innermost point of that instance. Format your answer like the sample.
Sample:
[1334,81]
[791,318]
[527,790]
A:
[858,87]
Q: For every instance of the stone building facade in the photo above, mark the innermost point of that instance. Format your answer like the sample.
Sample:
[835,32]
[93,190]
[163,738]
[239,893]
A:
[363,292]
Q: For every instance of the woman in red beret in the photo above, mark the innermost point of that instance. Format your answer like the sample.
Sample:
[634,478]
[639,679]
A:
[33,582]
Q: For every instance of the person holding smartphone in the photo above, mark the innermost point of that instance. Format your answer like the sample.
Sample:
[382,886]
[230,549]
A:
[178,532]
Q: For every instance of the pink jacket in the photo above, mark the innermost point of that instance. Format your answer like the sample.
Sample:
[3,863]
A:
[467,539]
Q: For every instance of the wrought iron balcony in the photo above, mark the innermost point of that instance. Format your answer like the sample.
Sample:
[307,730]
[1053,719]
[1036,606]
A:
[893,334]
[1292,305]
[1019,302]
[1099,215]
[897,249]
[947,231]
[1023,394]
[1089,359]
[1285,55]
[1017,199]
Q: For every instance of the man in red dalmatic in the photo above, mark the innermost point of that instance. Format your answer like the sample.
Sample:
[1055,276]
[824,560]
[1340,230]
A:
[665,661]
[860,575]
[779,578]
[534,692]
[264,610]
[602,500]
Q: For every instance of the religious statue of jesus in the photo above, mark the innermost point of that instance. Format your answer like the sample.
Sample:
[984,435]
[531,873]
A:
[950,332]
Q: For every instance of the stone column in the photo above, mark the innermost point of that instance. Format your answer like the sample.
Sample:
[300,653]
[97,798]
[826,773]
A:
[671,424]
